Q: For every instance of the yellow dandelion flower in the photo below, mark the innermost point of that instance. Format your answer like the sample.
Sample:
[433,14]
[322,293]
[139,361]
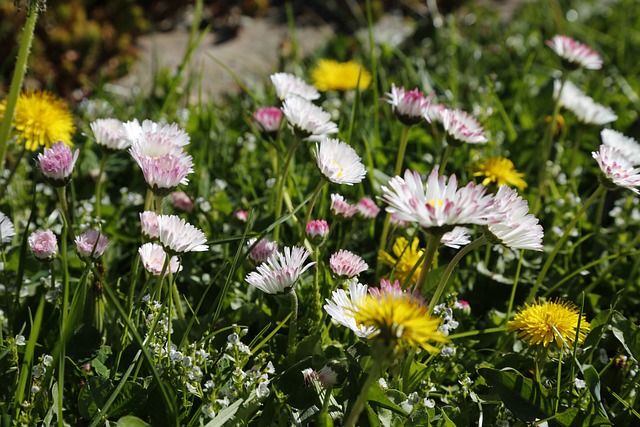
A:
[500,171]
[406,257]
[41,119]
[334,75]
[543,323]
[399,318]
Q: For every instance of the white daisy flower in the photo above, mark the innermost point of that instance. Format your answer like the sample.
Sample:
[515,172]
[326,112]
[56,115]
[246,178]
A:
[6,229]
[629,147]
[262,250]
[153,258]
[339,162]
[436,205]
[92,243]
[308,120]
[514,226]
[456,238]
[585,108]
[411,107]
[346,264]
[575,54]
[616,169]
[110,133]
[287,85]
[281,271]
[178,236]
[159,133]
[461,127]
[341,307]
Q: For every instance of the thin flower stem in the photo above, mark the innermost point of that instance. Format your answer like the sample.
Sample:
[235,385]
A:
[64,207]
[63,308]
[432,246]
[445,159]
[515,286]
[176,299]
[317,294]
[148,200]
[545,268]
[327,400]
[372,375]
[478,332]
[316,193]
[547,146]
[282,178]
[158,203]
[293,326]
[404,139]
[447,272]
[16,81]
[559,378]
[103,165]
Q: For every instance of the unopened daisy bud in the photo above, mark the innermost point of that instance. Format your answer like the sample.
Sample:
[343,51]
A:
[149,224]
[262,250]
[43,244]
[367,208]
[346,264]
[181,200]
[153,258]
[317,230]
[91,244]
[56,164]
[268,120]
[241,215]
[110,134]
[341,208]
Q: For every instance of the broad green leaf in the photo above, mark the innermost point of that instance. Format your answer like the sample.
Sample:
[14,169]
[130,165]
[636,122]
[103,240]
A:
[526,398]
[593,382]
[576,418]
[131,421]
[378,397]
[627,333]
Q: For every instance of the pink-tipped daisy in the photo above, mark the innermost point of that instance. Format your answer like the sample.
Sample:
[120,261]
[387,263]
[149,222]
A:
[56,164]
[410,107]
[617,170]
[317,230]
[287,85]
[164,174]
[338,162]
[308,120]
[342,305]
[584,107]
[629,147]
[268,119]
[6,229]
[575,54]
[153,258]
[437,206]
[110,134]
[456,238]
[367,208]
[346,264]
[281,271]
[341,208]
[91,244]
[461,127]
[181,200]
[514,226]
[178,236]
[149,224]
[43,244]
[262,251]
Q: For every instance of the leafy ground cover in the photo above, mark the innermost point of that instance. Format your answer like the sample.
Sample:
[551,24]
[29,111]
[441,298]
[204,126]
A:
[226,263]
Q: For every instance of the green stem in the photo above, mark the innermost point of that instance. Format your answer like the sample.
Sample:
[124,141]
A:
[327,400]
[148,200]
[103,165]
[158,203]
[176,299]
[358,406]
[547,146]
[432,246]
[16,81]
[64,207]
[404,139]
[447,272]
[559,378]
[316,193]
[293,328]
[63,307]
[445,159]
[545,268]
[515,286]
[280,184]
[317,294]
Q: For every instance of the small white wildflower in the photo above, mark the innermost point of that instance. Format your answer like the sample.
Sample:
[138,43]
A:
[47,360]
[20,340]
[580,384]
[262,390]
[429,403]
[208,411]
